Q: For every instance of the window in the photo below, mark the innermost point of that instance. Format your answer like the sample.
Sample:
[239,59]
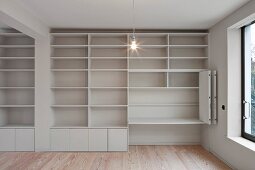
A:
[248,81]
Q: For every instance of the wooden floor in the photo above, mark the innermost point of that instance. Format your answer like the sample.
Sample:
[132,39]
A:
[138,158]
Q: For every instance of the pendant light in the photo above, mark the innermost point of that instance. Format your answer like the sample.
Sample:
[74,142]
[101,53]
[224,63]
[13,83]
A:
[133,40]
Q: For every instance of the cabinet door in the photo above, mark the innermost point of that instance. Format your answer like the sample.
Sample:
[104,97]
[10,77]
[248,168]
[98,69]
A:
[7,139]
[97,139]
[117,140]
[205,96]
[79,140]
[25,140]
[59,139]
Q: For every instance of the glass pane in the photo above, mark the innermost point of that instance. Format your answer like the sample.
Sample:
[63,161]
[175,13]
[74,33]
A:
[250,80]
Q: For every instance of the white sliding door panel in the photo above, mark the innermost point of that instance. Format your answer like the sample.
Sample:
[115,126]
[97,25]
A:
[205,96]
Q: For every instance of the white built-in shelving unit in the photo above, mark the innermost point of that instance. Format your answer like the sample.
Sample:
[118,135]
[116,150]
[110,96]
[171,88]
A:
[16,80]
[17,90]
[99,82]
[104,83]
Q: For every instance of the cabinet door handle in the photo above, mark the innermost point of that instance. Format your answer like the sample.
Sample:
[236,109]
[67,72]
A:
[249,104]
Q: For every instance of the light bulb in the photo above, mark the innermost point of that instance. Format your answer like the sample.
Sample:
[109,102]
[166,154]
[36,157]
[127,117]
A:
[133,45]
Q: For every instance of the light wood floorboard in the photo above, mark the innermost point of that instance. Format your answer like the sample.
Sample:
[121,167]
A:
[138,158]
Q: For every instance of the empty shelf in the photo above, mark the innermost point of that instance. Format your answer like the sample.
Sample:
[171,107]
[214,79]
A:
[69,105]
[16,126]
[17,46]
[2,106]
[172,104]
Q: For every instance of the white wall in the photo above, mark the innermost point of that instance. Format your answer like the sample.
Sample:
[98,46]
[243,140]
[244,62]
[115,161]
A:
[16,16]
[215,138]
[42,94]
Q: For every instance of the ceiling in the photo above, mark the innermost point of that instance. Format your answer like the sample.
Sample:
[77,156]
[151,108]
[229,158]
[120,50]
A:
[117,14]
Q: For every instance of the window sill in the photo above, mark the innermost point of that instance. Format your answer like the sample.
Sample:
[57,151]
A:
[244,142]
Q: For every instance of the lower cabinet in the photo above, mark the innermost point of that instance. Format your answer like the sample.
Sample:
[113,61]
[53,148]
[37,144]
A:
[117,140]
[69,139]
[97,139]
[79,140]
[17,140]
[25,140]
[7,140]
[59,139]
[89,139]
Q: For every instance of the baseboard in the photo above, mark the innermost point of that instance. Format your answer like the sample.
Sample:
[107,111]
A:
[164,143]
[223,160]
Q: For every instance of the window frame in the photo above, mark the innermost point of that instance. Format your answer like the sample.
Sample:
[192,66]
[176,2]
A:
[243,133]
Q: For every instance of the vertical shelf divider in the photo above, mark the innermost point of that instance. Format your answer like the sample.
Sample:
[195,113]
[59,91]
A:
[168,60]
[128,55]
[89,80]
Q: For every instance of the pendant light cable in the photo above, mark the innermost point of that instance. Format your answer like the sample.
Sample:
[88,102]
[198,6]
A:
[133,42]
[133,18]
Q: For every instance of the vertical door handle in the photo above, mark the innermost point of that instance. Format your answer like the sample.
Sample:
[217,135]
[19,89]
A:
[249,104]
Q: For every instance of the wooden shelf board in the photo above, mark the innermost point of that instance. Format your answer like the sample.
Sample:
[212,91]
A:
[152,46]
[19,106]
[186,70]
[68,34]
[17,87]
[164,121]
[188,46]
[115,58]
[17,58]
[164,70]
[147,70]
[108,46]
[69,88]
[69,106]
[108,69]
[13,70]
[147,58]
[17,126]
[173,104]
[108,105]
[188,58]
[69,46]
[17,46]
[67,70]
[108,87]
[68,58]
[164,88]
